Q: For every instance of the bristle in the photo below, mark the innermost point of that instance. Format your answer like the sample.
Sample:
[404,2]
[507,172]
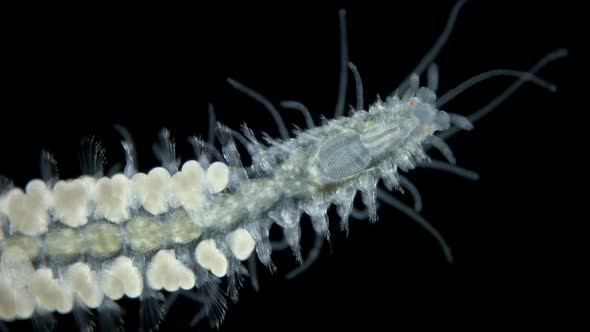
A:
[165,151]
[151,310]
[49,170]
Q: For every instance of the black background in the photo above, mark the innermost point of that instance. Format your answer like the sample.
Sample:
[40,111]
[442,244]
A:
[519,235]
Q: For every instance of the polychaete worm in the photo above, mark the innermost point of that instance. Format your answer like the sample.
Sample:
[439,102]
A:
[197,228]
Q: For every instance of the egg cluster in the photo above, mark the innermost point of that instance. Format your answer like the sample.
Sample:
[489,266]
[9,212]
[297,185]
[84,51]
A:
[100,227]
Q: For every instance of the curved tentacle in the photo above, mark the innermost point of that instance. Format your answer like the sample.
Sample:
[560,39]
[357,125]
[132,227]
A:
[253,271]
[295,105]
[314,253]
[524,75]
[265,102]
[480,113]
[436,48]
[432,77]
[343,81]
[358,83]
[407,184]
[454,169]
[388,199]
[443,148]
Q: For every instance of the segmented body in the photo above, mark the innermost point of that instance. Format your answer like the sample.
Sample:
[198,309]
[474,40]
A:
[114,221]
[209,235]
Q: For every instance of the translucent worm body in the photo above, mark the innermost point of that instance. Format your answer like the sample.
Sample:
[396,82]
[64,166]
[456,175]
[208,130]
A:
[82,243]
